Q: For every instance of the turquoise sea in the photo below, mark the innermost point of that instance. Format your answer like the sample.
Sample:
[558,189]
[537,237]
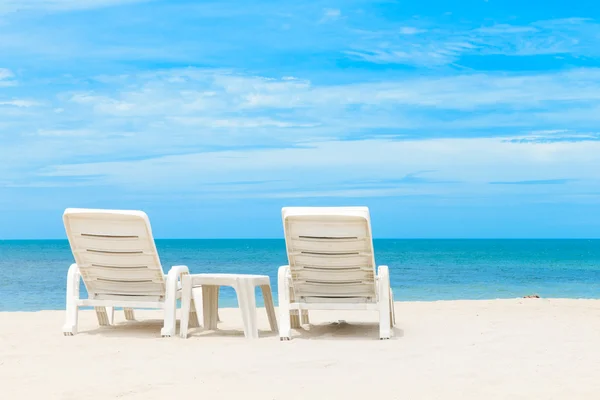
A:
[33,273]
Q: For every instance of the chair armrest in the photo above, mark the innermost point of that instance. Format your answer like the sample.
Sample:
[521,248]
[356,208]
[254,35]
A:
[383,276]
[285,270]
[177,272]
[383,271]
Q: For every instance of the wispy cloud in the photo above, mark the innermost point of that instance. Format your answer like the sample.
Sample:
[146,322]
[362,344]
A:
[536,182]
[556,135]
[9,6]
[181,128]
[409,182]
[360,33]
[505,29]
[5,74]
[182,111]
[411,30]
[453,92]
[65,133]
[19,103]
[7,78]
[439,46]
[204,109]
[331,14]
[378,168]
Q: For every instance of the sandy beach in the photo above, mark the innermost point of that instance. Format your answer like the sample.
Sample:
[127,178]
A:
[496,349]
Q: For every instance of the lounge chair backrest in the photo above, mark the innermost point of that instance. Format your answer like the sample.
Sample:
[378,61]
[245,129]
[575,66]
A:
[330,253]
[115,253]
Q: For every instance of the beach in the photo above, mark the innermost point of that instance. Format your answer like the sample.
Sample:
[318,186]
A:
[484,349]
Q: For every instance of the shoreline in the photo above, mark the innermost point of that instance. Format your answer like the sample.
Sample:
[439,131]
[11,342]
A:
[397,302]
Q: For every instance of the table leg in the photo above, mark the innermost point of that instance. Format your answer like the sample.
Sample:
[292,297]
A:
[194,308]
[247,303]
[210,306]
[268,298]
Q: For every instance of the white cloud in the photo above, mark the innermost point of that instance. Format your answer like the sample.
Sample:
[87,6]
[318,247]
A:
[556,135]
[65,132]
[19,103]
[411,30]
[463,92]
[214,91]
[330,14]
[6,77]
[505,29]
[339,168]
[5,74]
[212,120]
[239,122]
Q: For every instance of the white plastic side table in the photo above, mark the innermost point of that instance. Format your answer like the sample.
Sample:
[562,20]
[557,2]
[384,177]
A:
[244,286]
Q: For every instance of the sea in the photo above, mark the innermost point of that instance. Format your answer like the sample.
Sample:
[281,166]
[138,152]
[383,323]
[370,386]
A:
[33,273]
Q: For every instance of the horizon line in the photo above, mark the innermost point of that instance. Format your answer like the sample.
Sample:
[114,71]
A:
[379,238]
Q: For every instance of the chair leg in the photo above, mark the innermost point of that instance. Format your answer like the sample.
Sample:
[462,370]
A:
[285,326]
[392,310]
[299,318]
[294,314]
[72,309]
[210,300]
[247,303]
[170,324]
[268,299]
[295,319]
[129,314]
[104,315]
[304,317]
[383,286]
[186,300]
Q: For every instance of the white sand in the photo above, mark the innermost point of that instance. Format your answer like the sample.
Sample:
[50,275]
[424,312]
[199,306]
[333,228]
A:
[500,349]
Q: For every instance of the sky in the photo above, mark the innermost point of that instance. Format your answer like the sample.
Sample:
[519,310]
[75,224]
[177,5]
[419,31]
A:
[449,119]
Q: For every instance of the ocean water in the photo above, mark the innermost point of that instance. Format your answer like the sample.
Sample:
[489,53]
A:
[33,273]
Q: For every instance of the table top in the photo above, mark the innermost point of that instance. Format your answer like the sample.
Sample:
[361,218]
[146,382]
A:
[227,279]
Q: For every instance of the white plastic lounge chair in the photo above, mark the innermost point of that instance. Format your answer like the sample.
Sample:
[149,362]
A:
[331,267]
[116,256]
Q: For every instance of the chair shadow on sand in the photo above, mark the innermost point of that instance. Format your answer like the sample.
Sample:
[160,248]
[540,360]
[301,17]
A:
[341,330]
[143,329]
[150,329]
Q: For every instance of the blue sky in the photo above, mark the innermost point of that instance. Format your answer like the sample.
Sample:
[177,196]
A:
[448,119]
